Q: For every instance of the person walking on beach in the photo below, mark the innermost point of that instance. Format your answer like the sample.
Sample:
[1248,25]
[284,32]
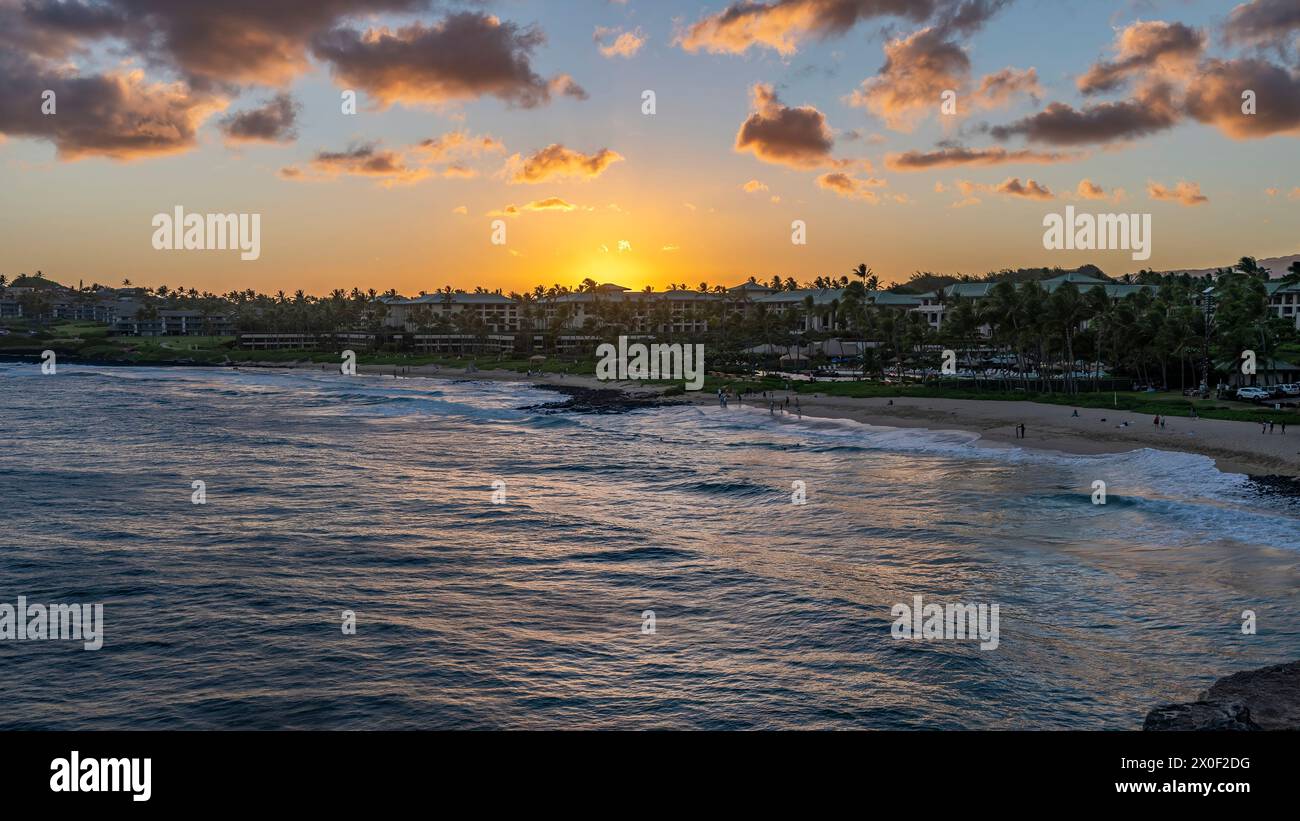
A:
[1156,421]
[1270,427]
[1162,422]
[799,411]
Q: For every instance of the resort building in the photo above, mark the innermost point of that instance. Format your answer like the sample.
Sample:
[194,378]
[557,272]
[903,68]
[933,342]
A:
[497,313]
[1284,300]
[135,320]
[934,305]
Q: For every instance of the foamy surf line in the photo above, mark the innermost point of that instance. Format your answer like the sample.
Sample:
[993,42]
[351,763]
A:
[964,443]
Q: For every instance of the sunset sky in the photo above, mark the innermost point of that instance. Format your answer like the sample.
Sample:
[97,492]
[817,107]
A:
[826,111]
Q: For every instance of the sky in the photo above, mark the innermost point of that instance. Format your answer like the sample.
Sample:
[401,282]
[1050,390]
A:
[532,115]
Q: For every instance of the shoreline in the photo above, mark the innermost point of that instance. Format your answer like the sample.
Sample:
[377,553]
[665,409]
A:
[1235,447]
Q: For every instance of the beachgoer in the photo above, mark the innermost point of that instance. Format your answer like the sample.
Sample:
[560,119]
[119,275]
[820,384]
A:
[1156,421]
[1162,422]
[1076,412]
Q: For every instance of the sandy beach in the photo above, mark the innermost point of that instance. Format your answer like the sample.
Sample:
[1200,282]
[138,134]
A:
[1235,447]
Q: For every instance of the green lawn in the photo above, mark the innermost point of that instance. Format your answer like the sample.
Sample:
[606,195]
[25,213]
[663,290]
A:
[176,343]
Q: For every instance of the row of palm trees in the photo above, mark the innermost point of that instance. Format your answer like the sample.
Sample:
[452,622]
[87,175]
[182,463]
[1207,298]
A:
[1165,334]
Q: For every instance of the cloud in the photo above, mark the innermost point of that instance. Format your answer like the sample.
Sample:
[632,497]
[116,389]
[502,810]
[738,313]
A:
[460,209]
[464,56]
[998,89]
[275,121]
[1030,189]
[207,43]
[457,144]
[548,204]
[565,86]
[1144,47]
[776,133]
[1214,97]
[1184,193]
[625,43]
[754,186]
[1010,187]
[1153,110]
[388,167]
[115,115]
[557,162]
[781,25]
[917,70]
[953,156]
[851,187]
[1263,22]
[1089,190]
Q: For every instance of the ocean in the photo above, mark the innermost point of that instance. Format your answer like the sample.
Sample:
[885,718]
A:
[500,561]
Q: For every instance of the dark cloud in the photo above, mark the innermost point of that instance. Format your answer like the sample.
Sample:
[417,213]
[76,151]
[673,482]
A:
[363,159]
[1214,97]
[218,43]
[464,56]
[1150,112]
[275,121]
[1263,22]
[783,24]
[953,156]
[1143,47]
[117,115]
[776,133]
[965,18]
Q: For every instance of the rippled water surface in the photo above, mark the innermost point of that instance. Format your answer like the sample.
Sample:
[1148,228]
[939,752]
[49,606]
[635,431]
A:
[327,493]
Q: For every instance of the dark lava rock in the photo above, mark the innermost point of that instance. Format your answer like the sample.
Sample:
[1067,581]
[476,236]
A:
[599,400]
[1200,715]
[1264,699]
[1272,694]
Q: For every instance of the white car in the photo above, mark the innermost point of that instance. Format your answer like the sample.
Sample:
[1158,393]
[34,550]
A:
[1251,394]
[1291,389]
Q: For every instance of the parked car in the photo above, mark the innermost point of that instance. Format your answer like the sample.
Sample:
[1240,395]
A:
[1290,389]
[1252,394]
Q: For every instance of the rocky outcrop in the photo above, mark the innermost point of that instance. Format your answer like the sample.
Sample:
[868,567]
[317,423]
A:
[594,400]
[1200,715]
[1265,699]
